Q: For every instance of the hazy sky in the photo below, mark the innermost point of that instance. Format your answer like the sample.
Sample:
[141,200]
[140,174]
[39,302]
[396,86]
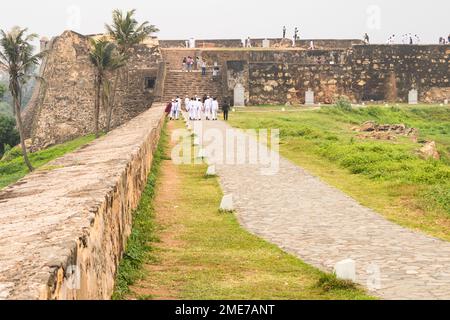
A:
[179,19]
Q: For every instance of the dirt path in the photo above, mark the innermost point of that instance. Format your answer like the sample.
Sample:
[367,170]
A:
[167,217]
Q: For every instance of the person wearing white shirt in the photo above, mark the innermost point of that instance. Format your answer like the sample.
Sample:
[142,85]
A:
[186,103]
[173,110]
[199,107]
[214,109]
[192,109]
[208,108]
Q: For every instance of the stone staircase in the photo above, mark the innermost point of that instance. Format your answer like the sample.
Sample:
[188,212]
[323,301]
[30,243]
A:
[174,57]
[182,84]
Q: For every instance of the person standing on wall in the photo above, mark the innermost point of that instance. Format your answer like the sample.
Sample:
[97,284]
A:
[185,64]
[366,39]
[225,108]
[284,32]
[203,68]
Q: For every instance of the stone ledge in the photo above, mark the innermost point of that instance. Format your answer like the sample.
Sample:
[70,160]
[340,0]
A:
[75,219]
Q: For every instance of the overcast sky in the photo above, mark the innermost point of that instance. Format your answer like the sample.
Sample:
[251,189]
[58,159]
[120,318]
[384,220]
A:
[181,19]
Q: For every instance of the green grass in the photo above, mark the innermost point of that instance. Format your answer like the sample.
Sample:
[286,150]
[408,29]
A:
[387,176]
[13,168]
[208,255]
[139,246]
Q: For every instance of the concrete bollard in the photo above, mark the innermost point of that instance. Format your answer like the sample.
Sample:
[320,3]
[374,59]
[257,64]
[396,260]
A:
[211,172]
[196,141]
[202,154]
[346,270]
[227,203]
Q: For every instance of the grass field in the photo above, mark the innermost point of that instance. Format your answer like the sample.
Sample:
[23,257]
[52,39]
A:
[13,168]
[387,176]
[195,252]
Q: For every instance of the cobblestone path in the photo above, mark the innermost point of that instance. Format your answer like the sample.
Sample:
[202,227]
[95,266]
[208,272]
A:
[322,226]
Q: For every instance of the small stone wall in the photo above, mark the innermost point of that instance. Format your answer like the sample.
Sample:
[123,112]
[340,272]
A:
[63,229]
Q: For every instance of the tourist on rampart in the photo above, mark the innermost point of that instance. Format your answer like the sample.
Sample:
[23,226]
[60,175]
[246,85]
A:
[216,70]
[203,68]
[248,43]
[185,64]
[284,32]
[190,63]
[197,63]
[366,39]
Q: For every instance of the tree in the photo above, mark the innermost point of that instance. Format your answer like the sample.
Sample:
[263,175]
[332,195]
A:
[17,58]
[8,133]
[105,59]
[2,91]
[126,32]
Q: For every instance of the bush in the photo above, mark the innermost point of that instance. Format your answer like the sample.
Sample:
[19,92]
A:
[8,133]
[11,153]
[344,105]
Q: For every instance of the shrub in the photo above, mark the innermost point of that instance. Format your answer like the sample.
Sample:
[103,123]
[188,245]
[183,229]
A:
[8,133]
[344,105]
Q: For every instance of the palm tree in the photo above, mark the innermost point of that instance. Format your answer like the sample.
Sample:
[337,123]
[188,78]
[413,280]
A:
[106,59]
[17,58]
[126,32]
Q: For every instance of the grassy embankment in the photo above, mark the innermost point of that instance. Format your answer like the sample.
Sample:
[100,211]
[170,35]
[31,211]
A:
[183,248]
[388,176]
[13,168]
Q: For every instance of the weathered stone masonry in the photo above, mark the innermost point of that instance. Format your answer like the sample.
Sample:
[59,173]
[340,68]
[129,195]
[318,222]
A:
[71,220]
[358,72]
[63,104]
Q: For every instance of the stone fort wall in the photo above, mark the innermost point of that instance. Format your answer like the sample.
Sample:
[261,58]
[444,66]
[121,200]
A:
[62,106]
[358,72]
[64,228]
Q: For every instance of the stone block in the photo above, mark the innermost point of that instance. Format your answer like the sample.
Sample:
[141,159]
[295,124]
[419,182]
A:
[202,154]
[413,97]
[309,97]
[227,203]
[211,171]
[346,270]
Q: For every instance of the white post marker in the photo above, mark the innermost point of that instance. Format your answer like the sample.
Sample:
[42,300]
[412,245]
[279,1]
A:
[196,141]
[202,154]
[211,171]
[227,203]
[346,270]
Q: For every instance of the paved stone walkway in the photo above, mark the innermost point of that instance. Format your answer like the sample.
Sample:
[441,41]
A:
[322,226]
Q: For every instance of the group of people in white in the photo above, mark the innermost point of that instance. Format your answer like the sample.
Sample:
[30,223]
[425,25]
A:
[197,108]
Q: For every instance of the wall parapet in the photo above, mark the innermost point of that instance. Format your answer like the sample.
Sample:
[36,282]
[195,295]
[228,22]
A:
[63,229]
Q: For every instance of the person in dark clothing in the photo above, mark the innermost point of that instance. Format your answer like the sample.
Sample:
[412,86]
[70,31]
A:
[284,32]
[168,109]
[226,109]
